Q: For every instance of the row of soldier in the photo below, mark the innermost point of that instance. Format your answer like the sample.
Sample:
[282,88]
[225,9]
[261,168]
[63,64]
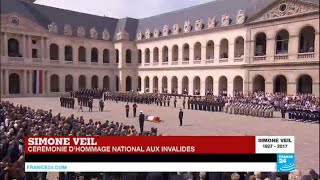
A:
[301,114]
[205,103]
[67,102]
[94,93]
[249,109]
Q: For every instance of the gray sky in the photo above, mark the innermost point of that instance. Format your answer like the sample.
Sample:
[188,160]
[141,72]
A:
[122,8]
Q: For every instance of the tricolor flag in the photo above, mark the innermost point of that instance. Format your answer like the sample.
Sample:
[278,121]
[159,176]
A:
[37,81]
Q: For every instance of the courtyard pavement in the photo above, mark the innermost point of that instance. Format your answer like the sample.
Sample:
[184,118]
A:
[198,123]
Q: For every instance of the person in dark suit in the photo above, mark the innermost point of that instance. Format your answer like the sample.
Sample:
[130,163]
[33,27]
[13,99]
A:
[141,121]
[180,116]
[127,110]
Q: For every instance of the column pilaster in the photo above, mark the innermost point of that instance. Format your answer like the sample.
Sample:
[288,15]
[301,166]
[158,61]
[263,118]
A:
[291,88]
[203,54]
[230,89]
[24,48]
[29,47]
[169,58]
[61,84]
[61,54]
[42,48]
[202,88]
[75,55]
[216,88]
[231,53]
[47,82]
[30,82]
[160,57]
[217,52]
[24,89]
[270,49]
[5,42]
[190,87]
[269,87]
[6,80]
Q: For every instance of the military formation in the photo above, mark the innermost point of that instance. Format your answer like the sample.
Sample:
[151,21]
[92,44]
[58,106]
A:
[93,93]
[250,109]
[67,102]
[208,103]
[302,114]
[255,104]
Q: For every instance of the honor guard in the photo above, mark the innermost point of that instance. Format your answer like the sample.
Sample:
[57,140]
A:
[127,110]
[134,107]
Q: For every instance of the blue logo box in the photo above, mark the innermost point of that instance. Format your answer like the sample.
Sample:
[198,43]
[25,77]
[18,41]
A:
[286,162]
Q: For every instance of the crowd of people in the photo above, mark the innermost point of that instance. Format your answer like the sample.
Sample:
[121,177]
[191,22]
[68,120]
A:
[18,121]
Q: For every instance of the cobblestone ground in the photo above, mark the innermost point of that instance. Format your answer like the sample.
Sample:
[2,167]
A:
[198,123]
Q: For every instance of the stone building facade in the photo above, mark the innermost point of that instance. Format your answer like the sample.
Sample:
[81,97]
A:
[272,49]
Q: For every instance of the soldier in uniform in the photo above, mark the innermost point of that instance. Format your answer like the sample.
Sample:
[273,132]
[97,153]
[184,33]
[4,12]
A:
[134,106]
[101,105]
[189,103]
[168,100]
[164,101]
[72,103]
[90,104]
[184,103]
[127,110]
[175,102]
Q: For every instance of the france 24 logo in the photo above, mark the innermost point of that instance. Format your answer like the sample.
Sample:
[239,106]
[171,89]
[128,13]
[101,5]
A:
[286,162]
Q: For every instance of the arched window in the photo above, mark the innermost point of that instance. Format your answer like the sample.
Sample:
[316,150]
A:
[239,47]
[106,56]
[128,83]
[224,49]
[94,82]
[139,56]
[304,84]
[210,50]
[68,81]
[106,83]
[82,54]
[94,55]
[156,55]
[14,83]
[197,51]
[165,54]
[223,86]
[175,53]
[54,52]
[186,54]
[174,85]
[260,44]
[280,84]
[128,56]
[82,82]
[68,54]
[147,55]
[307,39]
[258,83]
[282,42]
[117,56]
[13,48]
[54,83]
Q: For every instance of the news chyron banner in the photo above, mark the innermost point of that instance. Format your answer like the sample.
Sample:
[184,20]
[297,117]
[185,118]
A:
[159,153]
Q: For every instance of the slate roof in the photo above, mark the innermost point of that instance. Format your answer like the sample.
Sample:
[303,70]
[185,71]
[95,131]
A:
[44,15]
